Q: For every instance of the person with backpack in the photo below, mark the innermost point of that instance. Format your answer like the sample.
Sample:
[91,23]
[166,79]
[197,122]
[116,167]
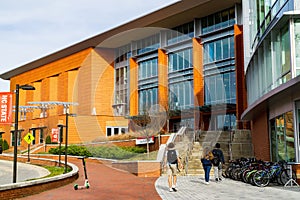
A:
[173,161]
[218,162]
[206,163]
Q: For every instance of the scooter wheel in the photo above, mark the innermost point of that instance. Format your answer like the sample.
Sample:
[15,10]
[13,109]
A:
[75,187]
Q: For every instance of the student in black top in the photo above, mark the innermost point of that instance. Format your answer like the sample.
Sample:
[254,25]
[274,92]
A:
[218,162]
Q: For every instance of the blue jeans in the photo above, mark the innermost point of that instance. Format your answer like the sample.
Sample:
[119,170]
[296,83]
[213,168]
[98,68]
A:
[207,169]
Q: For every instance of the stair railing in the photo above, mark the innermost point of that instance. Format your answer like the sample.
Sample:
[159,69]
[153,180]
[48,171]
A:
[178,139]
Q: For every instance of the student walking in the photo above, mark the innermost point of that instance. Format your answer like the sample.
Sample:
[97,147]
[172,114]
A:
[206,163]
[218,162]
[173,164]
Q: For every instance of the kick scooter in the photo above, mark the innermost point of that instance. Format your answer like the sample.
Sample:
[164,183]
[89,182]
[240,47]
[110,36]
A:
[86,182]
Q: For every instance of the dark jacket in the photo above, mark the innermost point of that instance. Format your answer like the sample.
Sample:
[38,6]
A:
[219,153]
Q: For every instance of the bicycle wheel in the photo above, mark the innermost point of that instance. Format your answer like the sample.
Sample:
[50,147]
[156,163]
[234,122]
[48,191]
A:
[285,176]
[244,175]
[261,178]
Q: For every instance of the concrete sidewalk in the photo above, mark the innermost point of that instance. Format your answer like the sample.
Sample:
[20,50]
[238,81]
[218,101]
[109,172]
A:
[109,183]
[193,187]
[24,172]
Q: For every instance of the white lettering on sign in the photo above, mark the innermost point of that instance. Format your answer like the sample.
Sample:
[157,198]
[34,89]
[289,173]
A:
[4,108]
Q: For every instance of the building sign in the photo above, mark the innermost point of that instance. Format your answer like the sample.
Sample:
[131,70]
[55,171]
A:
[29,138]
[6,107]
[54,135]
[144,140]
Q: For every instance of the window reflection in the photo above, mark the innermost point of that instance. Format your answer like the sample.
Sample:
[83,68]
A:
[283,138]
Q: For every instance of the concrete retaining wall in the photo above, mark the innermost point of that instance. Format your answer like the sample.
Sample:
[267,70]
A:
[26,188]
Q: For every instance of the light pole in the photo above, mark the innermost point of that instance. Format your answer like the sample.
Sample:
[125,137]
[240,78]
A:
[66,142]
[18,87]
[66,106]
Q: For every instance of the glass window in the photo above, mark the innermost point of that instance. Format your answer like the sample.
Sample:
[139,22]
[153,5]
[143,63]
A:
[225,48]
[180,60]
[231,48]
[148,44]
[225,18]
[147,98]
[116,131]
[282,138]
[41,136]
[120,90]
[297,46]
[180,33]
[211,52]
[108,131]
[218,21]
[181,95]
[286,54]
[220,88]
[148,69]
[218,50]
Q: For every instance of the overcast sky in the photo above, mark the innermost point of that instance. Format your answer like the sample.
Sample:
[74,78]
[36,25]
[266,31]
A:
[31,29]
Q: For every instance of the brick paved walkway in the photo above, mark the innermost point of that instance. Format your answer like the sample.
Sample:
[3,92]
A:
[106,183]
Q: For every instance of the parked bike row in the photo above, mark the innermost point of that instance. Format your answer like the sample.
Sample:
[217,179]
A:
[258,172]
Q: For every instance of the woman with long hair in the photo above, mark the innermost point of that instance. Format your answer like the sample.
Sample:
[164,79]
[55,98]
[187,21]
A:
[206,163]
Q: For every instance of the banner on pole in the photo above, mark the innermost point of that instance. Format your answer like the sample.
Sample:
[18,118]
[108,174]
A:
[6,107]
[54,135]
[143,140]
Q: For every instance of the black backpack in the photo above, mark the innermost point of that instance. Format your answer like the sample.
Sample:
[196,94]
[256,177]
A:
[217,157]
[172,157]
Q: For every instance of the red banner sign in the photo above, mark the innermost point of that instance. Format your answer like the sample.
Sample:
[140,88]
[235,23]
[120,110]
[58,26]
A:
[6,107]
[54,135]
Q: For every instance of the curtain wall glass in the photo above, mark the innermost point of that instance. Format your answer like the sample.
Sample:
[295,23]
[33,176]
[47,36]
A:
[270,65]
[297,45]
[282,138]
[180,78]
[147,84]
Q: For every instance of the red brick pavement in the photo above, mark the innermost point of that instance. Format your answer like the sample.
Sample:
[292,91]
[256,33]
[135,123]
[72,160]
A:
[105,183]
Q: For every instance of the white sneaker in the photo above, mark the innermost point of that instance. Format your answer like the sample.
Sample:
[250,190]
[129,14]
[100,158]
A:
[207,183]
[170,190]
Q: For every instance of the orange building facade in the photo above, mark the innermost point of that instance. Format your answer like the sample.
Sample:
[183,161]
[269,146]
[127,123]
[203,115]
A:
[103,79]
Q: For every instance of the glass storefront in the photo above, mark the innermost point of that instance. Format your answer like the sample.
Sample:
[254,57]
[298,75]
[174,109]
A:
[283,138]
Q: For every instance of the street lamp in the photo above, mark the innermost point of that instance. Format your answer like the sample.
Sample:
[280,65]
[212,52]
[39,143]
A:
[18,87]
[66,142]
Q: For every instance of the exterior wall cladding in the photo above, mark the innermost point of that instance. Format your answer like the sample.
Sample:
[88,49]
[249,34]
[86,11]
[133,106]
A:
[90,73]
[271,35]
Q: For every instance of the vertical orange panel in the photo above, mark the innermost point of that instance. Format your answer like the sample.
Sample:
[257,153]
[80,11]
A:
[162,78]
[198,80]
[198,73]
[133,94]
[241,98]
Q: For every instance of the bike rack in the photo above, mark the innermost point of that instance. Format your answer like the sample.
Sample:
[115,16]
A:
[291,181]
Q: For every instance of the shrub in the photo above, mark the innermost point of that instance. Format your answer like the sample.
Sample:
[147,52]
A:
[109,152]
[48,139]
[4,144]
[72,150]
[135,149]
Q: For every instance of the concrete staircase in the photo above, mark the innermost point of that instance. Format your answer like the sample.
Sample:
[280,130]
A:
[194,163]
[234,145]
